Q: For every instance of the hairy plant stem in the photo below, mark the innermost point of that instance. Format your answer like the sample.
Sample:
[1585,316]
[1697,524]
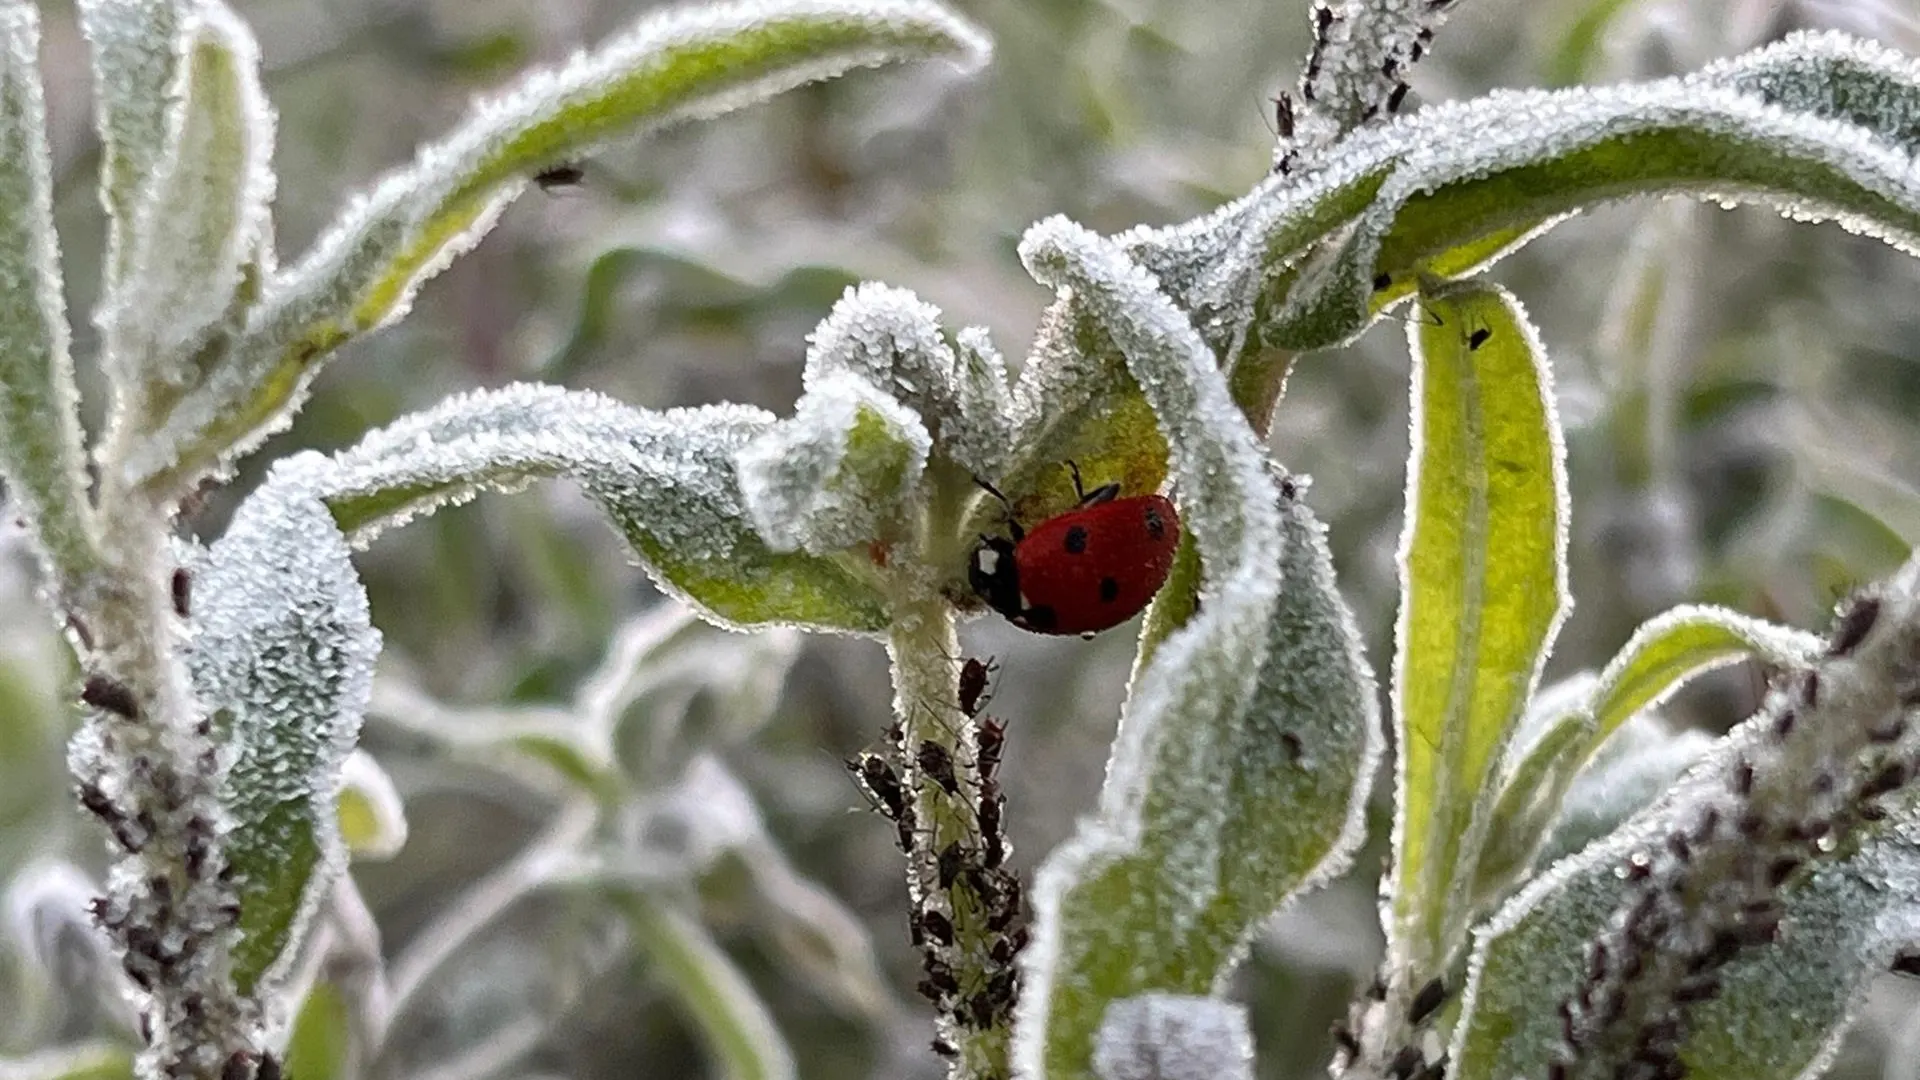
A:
[924,650]
[148,766]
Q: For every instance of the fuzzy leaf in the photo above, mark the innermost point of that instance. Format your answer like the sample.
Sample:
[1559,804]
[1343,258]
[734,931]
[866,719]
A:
[665,478]
[204,216]
[87,1061]
[282,661]
[40,451]
[373,820]
[1670,650]
[890,339]
[321,1045]
[137,50]
[1482,594]
[1170,1037]
[1209,820]
[1531,790]
[1782,1007]
[1637,765]
[839,474]
[672,66]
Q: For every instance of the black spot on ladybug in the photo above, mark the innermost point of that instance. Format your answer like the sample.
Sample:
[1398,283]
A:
[1109,590]
[1156,525]
[1076,542]
[1040,618]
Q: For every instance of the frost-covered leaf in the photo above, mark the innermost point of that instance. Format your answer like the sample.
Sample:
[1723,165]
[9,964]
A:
[1172,1037]
[321,1044]
[1670,650]
[665,478]
[1782,1006]
[1482,593]
[137,49]
[672,66]
[1640,762]
[204,215]
[88,1061]
[1818,126]
[39,423]
[1739,918]
[735,1024]
[841,473]
[1249,736]
[1532,785]
[282,662]
[890,339]
[373,820]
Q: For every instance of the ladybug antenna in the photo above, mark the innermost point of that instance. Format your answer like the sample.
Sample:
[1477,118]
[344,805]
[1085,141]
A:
[1103,493]
[1079,493]
[1013,525]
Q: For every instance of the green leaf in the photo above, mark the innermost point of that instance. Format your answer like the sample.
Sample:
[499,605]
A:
[138,49]
[40,452]
[672,66]
[1673,648]
[1483,591]
[841,473]
[321,1046]
[203,218]
[373,820]
[1249,736]
[282,661]
[1530,796]
[1780,1007]
[730,1017]
[87,1061]
[666,479]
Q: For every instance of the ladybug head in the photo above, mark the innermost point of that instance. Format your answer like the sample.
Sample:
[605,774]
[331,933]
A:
[995,577]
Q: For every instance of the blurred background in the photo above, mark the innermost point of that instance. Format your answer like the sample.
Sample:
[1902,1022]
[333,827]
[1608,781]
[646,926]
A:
[1740,395]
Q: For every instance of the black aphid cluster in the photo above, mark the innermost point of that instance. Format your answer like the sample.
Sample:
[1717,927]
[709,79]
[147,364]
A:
[969,916]
[163,931]
[1410,1060]
[1828,744]
[1393,70]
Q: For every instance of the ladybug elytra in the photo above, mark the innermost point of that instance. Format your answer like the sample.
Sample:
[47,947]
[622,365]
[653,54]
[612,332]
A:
[1079,572]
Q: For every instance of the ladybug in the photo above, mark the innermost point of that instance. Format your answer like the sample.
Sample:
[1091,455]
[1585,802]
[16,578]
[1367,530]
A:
[1080,572]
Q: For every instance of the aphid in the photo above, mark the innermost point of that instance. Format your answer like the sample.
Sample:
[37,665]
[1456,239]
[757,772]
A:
[944,1048]
[564,175]
[1398,97]
[1083,571]
[1404,1063]
[995,851]
[108,694]
[1344,1040]
[1426,1000]
[948,864]
[936,926]
[1382,282]
[1889,778]
[1478,338]
[1907,963]
[1854,626]
[1283,115]
[269,1068]
[181,586]
[1743,778]
[974,675]
[1810,693]
[879,779]
[988,740]
[938,765]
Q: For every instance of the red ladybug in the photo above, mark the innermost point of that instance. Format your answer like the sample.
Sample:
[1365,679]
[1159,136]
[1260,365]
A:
[1083,571]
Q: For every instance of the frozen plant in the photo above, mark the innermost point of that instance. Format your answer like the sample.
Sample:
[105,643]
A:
[1559,905]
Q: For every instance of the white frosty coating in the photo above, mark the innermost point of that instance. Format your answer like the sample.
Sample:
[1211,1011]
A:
[45,907]
[1500,314]
[1358,63]
[205,213]
[1511,129]
[1545,709]
[364,272]
[368,785]
[283,645]
[1174,1037]
[1204,672]
[806,488]
[891,339]
[40,450]
[1633,768]
[1784,1006]
[137,48]
[1835,75]
[1622,691]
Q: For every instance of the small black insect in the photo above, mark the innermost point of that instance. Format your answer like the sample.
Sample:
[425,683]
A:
[974,677]
[1426,1000]
[564,175]
[937,763]
[1398,97]
[1854,626]
[1283,115]
[108,694]
[937,927]
[182,589]
[1478,338]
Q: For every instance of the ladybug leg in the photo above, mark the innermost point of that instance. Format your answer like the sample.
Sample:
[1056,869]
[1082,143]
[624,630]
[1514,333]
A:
[1013,526]
[1101,494]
